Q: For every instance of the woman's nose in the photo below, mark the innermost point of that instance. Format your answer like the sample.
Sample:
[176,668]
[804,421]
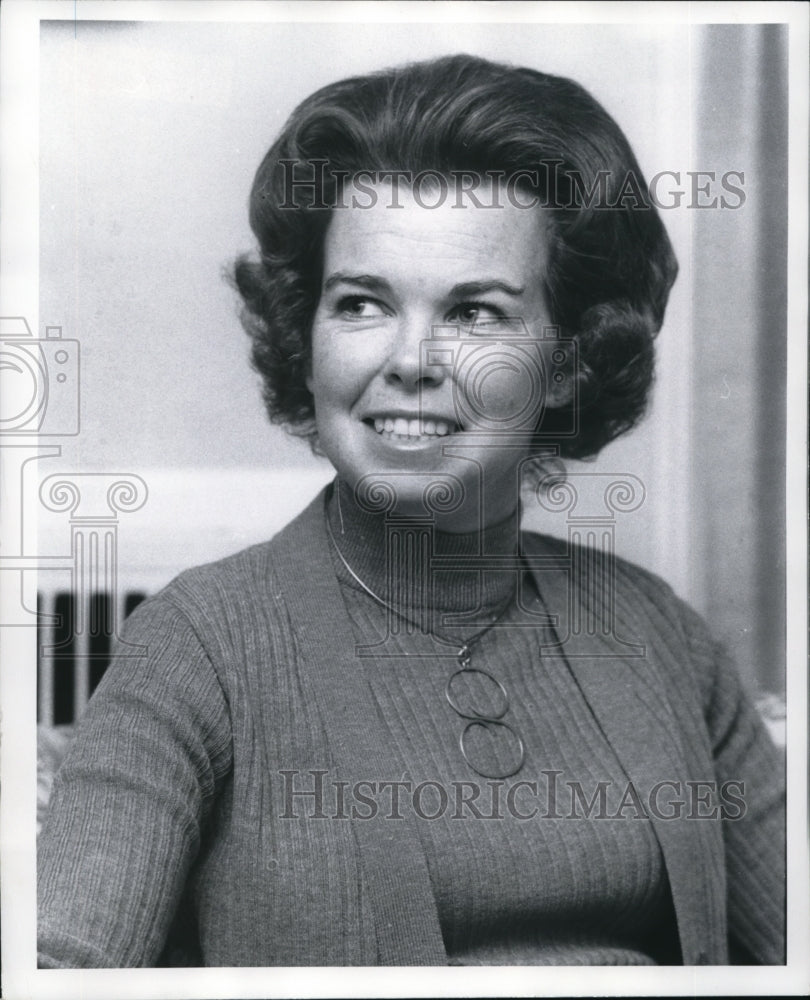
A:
[408,363]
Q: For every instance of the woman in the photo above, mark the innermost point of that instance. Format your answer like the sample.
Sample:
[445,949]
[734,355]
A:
[402,731]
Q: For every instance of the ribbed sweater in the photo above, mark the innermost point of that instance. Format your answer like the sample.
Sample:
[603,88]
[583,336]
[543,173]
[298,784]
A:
[580,889]
[174,832]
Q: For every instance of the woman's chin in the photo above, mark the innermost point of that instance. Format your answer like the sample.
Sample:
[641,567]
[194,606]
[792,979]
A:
[407,490]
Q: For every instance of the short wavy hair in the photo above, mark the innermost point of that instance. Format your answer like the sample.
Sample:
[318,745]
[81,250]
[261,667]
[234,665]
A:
[610,262]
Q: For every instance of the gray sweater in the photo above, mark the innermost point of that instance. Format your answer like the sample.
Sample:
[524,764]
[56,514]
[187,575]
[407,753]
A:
[210,807]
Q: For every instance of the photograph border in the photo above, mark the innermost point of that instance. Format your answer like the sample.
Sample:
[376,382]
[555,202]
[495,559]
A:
[19,296]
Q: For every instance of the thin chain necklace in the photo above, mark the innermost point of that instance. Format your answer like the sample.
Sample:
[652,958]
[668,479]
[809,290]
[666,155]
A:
[476,719]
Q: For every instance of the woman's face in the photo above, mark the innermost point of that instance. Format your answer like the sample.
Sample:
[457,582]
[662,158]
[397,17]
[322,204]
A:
[421,369]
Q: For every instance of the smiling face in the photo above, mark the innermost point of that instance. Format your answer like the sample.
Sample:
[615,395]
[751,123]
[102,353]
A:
[420,366]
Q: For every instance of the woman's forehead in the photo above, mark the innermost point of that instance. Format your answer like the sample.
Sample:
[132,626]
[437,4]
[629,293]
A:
[406,231]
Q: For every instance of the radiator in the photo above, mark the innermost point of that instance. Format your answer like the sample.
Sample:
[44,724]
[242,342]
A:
[74,639]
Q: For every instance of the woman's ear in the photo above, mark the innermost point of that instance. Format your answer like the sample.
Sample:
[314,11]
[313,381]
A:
[308,382]
[561,374]
[560,393]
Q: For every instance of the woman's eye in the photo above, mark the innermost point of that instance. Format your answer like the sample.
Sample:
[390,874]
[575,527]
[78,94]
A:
[475,314]
[358,307]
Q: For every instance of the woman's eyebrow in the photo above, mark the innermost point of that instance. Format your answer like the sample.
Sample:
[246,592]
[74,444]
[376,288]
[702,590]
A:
[465,289]
[369,281]
[468,289]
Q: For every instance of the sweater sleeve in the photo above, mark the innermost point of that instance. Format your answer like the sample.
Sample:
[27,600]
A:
[130,801]
[751,770]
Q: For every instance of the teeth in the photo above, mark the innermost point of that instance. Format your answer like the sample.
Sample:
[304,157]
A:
[414,428]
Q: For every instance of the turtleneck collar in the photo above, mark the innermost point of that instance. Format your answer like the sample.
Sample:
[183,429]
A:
[392,558]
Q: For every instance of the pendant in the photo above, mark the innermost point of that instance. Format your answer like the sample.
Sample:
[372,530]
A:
[488,722]
[505,771]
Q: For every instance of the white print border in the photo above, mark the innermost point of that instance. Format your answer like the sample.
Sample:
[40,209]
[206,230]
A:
[19,82]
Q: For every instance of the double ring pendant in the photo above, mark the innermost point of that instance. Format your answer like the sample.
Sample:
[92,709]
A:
[490,722]
[483,720]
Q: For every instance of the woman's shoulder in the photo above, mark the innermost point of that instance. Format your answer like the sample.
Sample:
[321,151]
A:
[629,576]
[640,605]
[232,572]
[214,596]
[249,576]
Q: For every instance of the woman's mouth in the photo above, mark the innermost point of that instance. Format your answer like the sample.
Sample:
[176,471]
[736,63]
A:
[414,429]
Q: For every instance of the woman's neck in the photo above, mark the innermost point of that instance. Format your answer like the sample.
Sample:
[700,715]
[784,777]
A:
[411,566]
